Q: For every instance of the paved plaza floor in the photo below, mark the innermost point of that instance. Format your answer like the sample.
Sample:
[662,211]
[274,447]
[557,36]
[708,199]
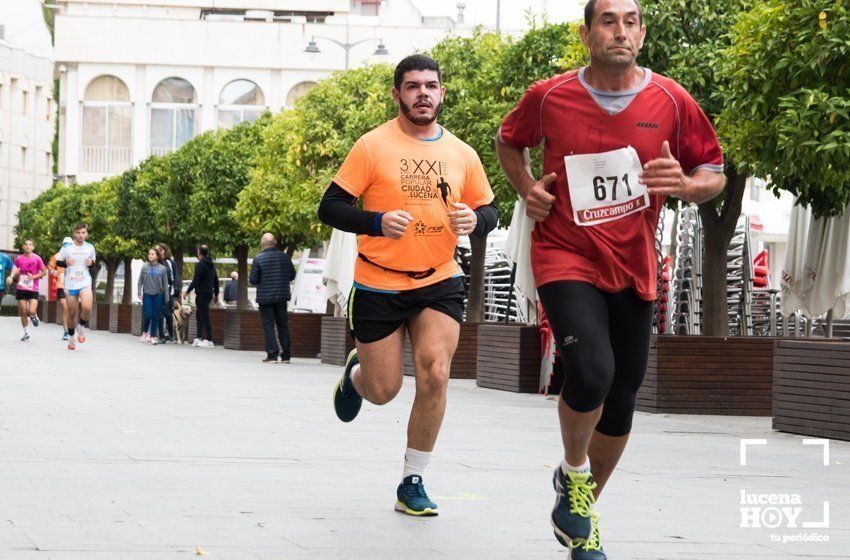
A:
[123,451]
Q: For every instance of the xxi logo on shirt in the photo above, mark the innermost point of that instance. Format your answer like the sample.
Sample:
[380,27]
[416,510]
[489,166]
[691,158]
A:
[424,167]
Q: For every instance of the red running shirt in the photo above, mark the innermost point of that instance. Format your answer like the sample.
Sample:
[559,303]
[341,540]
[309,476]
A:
[561,111]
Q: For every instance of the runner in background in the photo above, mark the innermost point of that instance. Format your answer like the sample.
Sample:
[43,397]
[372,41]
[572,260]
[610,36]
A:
[28,268]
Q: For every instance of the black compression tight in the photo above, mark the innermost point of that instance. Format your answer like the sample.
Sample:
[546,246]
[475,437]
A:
[603,340]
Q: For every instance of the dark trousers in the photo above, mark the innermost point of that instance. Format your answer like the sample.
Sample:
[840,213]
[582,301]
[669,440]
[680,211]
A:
[275,315]
[152,308]
[168,315]
[202,302]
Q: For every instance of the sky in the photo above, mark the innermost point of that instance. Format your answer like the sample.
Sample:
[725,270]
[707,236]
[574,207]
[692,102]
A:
[25,28]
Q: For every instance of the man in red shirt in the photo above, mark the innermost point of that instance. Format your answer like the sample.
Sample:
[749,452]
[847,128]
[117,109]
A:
[618,139]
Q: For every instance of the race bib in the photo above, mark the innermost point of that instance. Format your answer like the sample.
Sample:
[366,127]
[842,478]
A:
[604,187]
[26,282]
[78,274]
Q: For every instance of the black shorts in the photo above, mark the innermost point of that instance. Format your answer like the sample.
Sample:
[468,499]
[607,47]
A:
[60,293]
[373,316]
[25,295]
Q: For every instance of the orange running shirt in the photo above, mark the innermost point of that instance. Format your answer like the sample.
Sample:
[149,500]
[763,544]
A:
[393,171]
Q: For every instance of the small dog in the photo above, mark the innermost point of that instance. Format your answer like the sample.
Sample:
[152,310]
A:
[181,322]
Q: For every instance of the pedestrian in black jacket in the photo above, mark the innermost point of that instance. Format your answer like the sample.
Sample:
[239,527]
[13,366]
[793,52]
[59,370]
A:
[205,284]
[271,272]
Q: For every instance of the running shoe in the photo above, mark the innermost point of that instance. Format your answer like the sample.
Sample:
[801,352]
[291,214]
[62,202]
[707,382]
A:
[25,337]
[144,338]
[209,344]
[34,319]
[71,345]
[153,341]
[590,549]
[270,360]
[571,514]
[81,335]
[346,400]
[412,498]
[65,335]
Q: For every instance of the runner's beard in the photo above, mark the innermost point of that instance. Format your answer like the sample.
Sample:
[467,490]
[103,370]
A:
[419,121]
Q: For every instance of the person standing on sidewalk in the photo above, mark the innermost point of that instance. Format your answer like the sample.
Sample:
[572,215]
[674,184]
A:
[153,286]
[271,273]
[166,259]
[230,291]
[617,140]
[205,284]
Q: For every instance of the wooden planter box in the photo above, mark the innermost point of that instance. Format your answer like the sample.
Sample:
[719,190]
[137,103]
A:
[216,320]
[811,388]
[243,330]
[306,332]
[336,340]
[120,317]
[465,361]
[52,312]
[100,316]
[709,375]
[509,357]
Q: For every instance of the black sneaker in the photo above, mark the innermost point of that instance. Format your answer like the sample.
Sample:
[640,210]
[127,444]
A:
[346,400]
[270,360]
[34,319]
[285,360]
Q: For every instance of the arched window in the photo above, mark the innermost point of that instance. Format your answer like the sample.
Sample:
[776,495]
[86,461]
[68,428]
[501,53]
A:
[297,91]
[107,135]
[174,115]
[240,100]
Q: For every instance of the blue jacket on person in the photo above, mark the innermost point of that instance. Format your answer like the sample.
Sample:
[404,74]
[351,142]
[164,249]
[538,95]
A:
[6,266]
[271,272]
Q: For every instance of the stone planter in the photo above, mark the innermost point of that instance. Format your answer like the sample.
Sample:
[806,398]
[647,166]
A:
[709,375]
[137,321]
[811,388]
[509,357]
[120,317]
[336,340]
[465,360]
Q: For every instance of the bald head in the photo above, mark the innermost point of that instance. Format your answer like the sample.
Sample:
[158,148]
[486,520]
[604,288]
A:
[267,241]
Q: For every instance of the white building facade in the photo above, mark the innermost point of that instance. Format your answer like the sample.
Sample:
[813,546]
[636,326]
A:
[26,133]
[139,78]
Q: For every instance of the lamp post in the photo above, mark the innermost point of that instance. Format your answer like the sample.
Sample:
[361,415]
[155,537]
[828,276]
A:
[313,48]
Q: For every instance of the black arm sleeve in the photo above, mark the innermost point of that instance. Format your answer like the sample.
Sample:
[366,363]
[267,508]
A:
[488,219]
[63,264]
[337,210]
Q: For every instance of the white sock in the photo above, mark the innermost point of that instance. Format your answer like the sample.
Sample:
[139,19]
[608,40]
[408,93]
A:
[415,462]
[566,467]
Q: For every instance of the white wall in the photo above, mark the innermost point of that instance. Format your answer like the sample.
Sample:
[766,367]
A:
[25,136]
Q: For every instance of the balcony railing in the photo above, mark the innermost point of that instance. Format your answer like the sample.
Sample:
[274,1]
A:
[106,160]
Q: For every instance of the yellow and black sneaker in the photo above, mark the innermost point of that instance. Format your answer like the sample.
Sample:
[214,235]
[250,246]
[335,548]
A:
[346,400]
[590,549]
[412,498]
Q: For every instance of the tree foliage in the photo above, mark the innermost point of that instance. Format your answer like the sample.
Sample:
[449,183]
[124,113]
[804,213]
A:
[787,114]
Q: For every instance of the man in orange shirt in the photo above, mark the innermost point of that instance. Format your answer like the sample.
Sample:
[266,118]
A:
[58,272]
[421,188]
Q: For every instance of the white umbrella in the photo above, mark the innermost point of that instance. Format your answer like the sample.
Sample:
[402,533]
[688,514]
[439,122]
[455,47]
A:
[339,269]
[518,248]
[816,275]
[795,258]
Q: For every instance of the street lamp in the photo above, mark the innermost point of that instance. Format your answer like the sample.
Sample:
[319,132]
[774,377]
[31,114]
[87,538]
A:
[313,48]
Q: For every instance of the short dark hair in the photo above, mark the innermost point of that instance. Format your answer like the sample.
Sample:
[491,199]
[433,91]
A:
[415,62]
[80,225]
[204,250]
[590,9]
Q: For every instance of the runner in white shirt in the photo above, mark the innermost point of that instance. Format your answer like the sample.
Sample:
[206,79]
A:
[78,257]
